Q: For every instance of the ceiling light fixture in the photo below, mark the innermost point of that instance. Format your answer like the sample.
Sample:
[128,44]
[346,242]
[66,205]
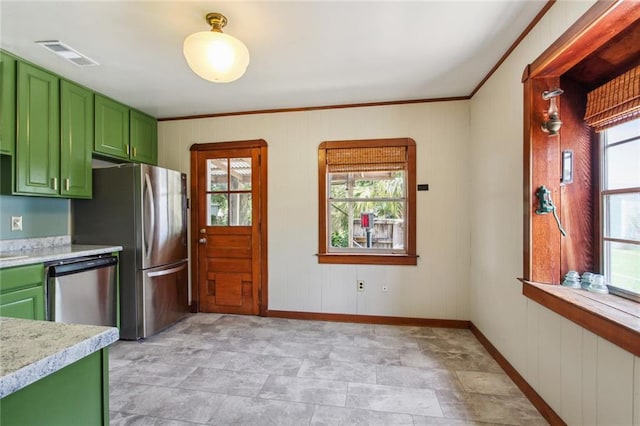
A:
[215,56]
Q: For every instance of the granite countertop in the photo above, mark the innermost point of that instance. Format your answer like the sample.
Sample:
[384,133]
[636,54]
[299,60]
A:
[27,252]
[31,350]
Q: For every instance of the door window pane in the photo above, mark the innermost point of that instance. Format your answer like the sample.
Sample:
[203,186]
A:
[240,209]
[240,174]
[217,210]
[217,169]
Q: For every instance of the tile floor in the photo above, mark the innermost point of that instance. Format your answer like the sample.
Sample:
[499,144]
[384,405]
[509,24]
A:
[239,370]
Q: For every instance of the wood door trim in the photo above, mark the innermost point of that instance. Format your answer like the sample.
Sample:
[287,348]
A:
[263,289]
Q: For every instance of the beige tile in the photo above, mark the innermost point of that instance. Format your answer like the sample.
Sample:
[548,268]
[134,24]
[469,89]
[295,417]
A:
[394,399]
[487,383]
[510,410]
[233,369]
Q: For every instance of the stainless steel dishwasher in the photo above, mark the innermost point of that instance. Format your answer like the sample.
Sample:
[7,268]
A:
[83,291]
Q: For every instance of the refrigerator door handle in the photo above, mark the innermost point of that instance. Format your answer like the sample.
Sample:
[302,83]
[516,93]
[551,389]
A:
[167,271]
[150,216]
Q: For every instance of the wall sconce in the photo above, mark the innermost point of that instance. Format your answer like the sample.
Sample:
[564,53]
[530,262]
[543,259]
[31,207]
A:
[553,123]
[215,56]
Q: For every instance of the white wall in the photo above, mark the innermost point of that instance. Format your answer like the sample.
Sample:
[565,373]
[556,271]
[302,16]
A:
[586,379]
[436,288]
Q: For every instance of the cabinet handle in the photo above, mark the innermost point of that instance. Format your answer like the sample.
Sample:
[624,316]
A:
[55,183]
[66,184]
[127,149]
[134,151]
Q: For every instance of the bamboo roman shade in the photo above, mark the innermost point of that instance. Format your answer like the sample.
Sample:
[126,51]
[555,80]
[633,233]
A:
[614,102]
[342,160]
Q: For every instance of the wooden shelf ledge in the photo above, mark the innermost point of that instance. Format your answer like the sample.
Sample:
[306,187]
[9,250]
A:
[610,317]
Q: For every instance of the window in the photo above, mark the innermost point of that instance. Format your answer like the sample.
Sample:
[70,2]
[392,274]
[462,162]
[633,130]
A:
[367,201]
[229,192]
[620,204]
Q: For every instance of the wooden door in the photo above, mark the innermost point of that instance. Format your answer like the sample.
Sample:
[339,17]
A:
[229,227]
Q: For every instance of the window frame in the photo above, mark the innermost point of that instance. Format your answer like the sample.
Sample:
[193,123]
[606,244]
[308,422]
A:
[605,266]
[367,258]
[611,317]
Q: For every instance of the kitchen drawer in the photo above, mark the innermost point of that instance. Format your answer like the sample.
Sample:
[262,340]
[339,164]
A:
[21,277]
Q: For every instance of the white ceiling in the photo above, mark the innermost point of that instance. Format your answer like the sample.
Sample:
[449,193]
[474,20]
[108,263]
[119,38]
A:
[303,53]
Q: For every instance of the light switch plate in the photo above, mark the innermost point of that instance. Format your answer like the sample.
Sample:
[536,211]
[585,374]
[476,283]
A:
[16,223]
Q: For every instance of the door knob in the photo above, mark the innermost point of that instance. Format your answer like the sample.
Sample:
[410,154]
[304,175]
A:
[202,241]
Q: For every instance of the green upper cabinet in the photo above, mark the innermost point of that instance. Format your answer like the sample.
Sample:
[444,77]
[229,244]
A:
[38,138]
[144,138]
[112,128]
[76,124]
[124,133]
[7,103]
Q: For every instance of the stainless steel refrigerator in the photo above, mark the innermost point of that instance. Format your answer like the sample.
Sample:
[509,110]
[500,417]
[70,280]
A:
[143,209]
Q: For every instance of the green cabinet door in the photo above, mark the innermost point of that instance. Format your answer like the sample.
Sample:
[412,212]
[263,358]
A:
[77,134]
[144,138]
[112,128]
[38,139]
[22,292]
[78,394]
[7,103]
[27,303]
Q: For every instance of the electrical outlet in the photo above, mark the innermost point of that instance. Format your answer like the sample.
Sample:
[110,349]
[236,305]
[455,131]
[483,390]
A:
[16,223]
[385,288]
[360,285]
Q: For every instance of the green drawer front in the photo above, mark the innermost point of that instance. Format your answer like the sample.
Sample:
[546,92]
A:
[21,276]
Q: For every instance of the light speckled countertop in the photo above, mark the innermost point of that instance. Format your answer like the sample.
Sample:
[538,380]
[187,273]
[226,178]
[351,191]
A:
[47,254]
[31,350]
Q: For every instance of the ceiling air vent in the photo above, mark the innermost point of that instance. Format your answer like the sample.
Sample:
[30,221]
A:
[67,53]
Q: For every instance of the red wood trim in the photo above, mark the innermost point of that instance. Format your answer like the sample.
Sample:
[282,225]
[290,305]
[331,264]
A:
[410,258]
[253,143]
[194,211]
[367,259]
[370,319]
[603,21]
[541,167]
[367,143]
[321,107]
[545,409]
[264,234]
[527,159]
[322,199]
[598,314]
[513,46]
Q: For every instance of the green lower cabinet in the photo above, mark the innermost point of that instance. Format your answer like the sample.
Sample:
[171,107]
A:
[22,292]
[27,303]
[78,394]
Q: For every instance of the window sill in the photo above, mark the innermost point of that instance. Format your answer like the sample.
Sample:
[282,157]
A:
[610,317]
[368,259]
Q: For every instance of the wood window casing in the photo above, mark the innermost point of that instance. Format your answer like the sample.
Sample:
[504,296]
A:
[580,60]
[407,258]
